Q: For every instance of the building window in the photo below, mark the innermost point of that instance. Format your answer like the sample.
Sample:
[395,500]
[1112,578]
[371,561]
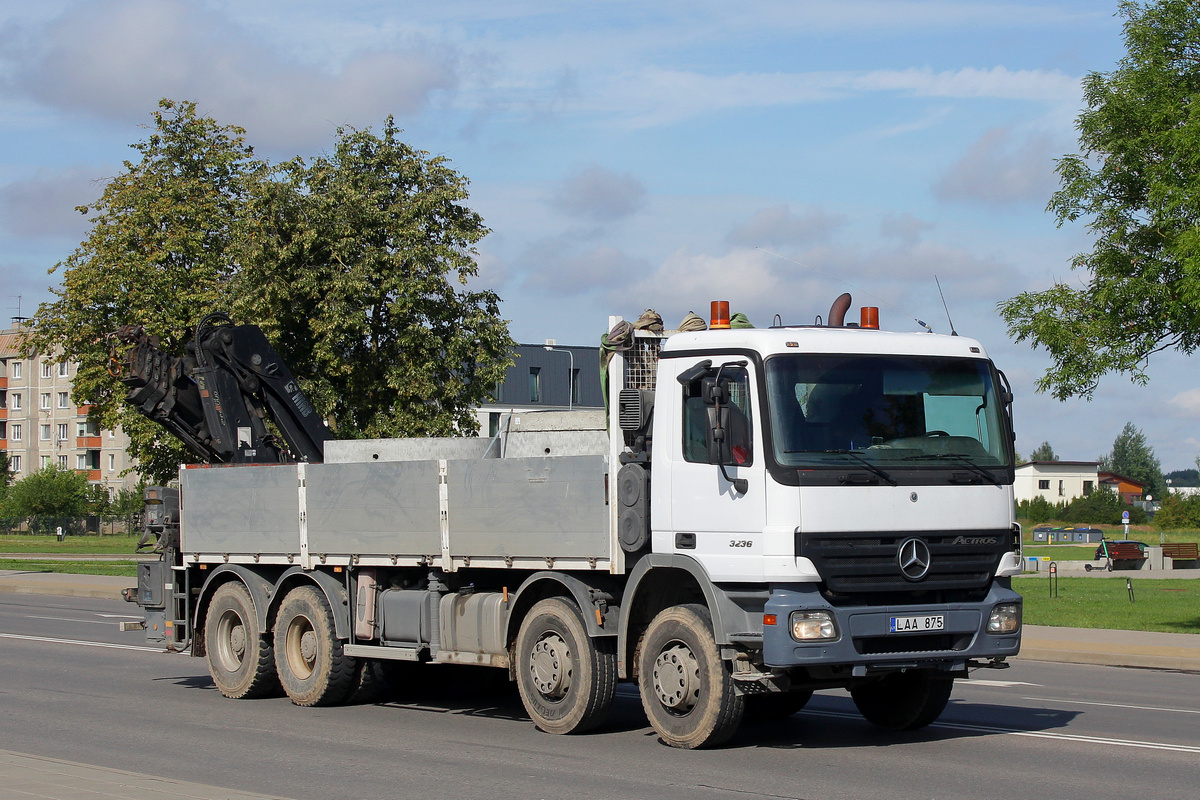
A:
[62,431]
[15,462]
[44,400]
[16,369]
[15,431]
[575,387]
[1045,485]
[1062,489]
[45,433]
[112,462]
[3,429]
[535,384]
[1088,487]
[64,400]
[111,434]
[62,369]
[62,462]
[16,401]
[493,423]
[85,428]
[81,461]
[46,369]
[45,462]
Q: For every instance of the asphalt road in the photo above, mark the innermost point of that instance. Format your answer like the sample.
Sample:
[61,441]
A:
[73,687]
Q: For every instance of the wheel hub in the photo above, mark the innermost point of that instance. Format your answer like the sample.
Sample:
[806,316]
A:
[308,647]
[677,678]
[550,666]
[237,641]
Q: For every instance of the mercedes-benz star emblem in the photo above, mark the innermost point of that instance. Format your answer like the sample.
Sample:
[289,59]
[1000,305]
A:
[913,557]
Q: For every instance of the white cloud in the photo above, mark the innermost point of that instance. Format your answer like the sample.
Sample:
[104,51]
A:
[778,225]
[1002,167]
[600,195]
[44,205]
[116,59]
[1186,404]
[904,227]
[554,267]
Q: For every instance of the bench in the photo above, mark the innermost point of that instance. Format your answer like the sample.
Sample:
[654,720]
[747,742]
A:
[1121,555]
[1182,551]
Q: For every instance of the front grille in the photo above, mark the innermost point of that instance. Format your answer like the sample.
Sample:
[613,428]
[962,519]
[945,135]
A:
[916,643]
[857,563]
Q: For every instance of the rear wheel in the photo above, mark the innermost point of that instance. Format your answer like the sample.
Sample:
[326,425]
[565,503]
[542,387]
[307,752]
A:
[687,690]
[567,679]
[240,659]
[313,669]
[904,701]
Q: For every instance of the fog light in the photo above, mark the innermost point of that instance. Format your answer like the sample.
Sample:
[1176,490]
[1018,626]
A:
[813,625]
[1005,618]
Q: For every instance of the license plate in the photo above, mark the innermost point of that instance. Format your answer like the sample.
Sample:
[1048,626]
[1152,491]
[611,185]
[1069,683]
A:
[935,622]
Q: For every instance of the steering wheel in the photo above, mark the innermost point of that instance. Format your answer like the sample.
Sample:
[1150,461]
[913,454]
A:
[936,433]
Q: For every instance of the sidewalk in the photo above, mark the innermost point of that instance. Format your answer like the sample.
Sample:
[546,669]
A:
[25,776]
[64,584]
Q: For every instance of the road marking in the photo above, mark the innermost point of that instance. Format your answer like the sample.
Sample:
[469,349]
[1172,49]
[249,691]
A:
[1001,684]
[1064,737]
[81,643]
[70,619]
[136,616]
[1113,705]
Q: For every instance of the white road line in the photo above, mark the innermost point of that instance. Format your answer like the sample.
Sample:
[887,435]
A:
[71,619]
[1064,737]
[1001,684]
[80,643]
[1112,705]
[136,616]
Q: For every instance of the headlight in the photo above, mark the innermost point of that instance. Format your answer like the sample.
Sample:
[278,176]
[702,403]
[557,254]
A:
[1005,618]
[810,626]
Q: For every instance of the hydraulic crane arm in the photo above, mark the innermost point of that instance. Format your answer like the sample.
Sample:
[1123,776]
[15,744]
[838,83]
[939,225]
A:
[216,398]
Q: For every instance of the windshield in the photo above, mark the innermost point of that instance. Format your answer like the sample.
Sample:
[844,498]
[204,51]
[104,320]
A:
[828,410]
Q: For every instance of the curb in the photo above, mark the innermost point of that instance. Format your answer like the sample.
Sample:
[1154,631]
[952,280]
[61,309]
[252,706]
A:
[98,587]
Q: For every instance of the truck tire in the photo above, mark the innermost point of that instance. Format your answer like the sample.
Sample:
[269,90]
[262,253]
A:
[240,658]
[687,690]
[903,701]
[566,678]
[313,669]
[775,705]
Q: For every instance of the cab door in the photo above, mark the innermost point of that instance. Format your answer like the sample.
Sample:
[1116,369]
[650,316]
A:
[715,469]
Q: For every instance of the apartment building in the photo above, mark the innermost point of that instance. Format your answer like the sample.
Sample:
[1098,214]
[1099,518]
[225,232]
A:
[40,425]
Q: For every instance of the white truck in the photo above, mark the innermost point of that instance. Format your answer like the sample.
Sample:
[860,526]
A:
[763,513]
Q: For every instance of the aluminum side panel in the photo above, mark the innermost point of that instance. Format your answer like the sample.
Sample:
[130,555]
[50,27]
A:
[242,509]
[378,507]
[536,507]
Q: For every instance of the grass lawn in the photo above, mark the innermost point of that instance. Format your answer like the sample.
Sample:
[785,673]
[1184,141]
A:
[1061,552]
[1170,606]
[32,543]
[127,569]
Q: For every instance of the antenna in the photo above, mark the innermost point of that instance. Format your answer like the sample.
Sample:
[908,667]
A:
[939,285]
[920,322]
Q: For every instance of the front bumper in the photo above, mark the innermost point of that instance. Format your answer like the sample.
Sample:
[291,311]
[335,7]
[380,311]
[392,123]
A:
[865,640]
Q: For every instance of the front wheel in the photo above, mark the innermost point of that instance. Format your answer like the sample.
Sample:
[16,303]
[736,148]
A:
[312,667]
[687,690]
[903,701]
[240,659]
[567,679]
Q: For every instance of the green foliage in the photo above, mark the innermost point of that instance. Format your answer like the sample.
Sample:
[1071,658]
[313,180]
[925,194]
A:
[1043,452]
[1161,605]
[1039,509]
[1183,477]
[5,478]
[49,492]
[129,501]
[1178,512]
[1133,457]
[1134,184]
[355,266]
[1101,507]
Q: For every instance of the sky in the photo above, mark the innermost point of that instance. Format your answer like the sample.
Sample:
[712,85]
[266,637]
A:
[630,155]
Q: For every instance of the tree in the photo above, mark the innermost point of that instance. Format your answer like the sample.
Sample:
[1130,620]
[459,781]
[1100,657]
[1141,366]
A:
[1134,183]
[1133,457]
[5,480]
[348,265]
[49,492]
[1044,452]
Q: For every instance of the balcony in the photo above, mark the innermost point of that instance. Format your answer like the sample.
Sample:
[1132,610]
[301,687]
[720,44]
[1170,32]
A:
[87,442]
[83,410]
[93,475]
[3,383]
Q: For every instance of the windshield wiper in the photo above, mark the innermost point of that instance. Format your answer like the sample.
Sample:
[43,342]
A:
[960,458]
[881,473]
